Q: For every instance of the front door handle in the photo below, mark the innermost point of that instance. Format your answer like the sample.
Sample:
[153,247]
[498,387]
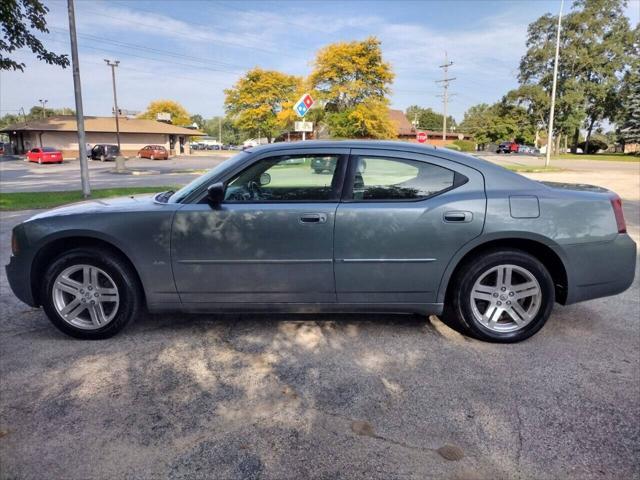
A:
[457,217]
[313,218]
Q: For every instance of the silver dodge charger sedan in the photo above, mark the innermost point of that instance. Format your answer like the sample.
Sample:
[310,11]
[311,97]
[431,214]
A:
[384,227]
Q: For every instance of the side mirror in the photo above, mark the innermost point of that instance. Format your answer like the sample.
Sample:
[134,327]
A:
[215,193]
[265,179]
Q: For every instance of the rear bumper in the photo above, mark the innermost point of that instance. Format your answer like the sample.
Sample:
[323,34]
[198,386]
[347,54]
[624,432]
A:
[600,269]
[18,275]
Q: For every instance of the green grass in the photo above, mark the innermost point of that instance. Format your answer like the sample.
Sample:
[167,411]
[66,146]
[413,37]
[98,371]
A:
[606,157]
[29,200]
[527,169]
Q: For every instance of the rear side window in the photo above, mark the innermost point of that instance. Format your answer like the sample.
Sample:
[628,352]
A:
[389,179]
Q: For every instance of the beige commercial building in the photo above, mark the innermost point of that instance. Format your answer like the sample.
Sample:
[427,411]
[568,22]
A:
[61,132]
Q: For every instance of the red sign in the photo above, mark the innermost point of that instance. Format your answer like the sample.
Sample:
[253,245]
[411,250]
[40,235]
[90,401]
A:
[421,137]
[308,101]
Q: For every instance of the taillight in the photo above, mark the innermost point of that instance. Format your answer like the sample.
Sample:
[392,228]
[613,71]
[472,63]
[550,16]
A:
[616,203]
[14,243]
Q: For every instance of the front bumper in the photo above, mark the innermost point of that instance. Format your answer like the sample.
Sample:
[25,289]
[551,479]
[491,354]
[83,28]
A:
[19,276]
[600,269]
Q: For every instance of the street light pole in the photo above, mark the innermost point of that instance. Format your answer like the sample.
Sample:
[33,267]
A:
[113,66]
[82,146]
[43,103]
[547,159]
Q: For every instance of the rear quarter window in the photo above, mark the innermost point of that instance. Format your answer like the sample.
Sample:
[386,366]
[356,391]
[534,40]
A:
[396,179]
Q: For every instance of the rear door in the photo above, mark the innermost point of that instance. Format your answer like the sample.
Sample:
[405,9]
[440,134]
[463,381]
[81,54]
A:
[402,217]
[271,240]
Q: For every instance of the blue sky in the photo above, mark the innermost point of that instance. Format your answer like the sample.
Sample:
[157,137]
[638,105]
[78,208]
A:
[189,51]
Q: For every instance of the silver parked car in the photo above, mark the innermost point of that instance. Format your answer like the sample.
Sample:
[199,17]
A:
[419,230]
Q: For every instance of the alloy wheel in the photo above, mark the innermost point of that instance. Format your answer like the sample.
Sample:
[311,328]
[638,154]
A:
[86,297]
[506,298]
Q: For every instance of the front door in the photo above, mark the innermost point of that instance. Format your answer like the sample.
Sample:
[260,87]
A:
[271,240]
[402,218]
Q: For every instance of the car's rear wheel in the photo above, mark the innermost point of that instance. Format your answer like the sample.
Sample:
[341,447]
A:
[501,296]
[90,293]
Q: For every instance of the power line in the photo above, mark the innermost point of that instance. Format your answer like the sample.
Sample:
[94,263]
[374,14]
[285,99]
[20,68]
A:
[190,36]
[152,50]
[129,54]
[445,94]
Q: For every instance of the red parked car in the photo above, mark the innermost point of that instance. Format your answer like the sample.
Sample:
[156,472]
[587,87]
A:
[154,152]
[44,155]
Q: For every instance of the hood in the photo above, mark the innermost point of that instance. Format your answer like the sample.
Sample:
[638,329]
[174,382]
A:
[117,204]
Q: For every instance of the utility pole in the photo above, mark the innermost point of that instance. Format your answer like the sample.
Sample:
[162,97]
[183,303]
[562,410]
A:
[445,94]
[220,132]
[43,103]
[113,66]
[82,146]
[547,159]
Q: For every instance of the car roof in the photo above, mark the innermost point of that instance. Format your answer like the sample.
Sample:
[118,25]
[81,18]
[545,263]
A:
[465,159]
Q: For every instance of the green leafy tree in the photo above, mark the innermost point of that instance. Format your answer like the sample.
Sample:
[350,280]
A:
[198,120]
[498,122]
[18,20]
[594,51]
[630,115]
[251,102]
[231,135]
[35,113]
[427,118]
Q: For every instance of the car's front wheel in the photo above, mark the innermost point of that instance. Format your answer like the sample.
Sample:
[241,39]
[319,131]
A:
[90,293]
[501,296]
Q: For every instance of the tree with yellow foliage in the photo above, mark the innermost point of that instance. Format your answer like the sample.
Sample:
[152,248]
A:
[348,73]
[352,81]
[252,101]
[179,114]
[369,119]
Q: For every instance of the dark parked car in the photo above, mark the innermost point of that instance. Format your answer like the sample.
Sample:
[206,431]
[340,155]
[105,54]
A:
[421,230]
[323,164]
[507,147]
[104,152]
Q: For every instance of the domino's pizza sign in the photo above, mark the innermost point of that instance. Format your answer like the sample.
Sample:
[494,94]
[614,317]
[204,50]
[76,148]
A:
[303,105]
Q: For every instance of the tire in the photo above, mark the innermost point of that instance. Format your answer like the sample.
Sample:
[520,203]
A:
[102,159]
[39,161]
[152,157]
[530,280]
[113,271]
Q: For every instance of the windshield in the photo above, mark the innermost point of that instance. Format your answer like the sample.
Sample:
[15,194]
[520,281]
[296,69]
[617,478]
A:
[205,179]
[48,149]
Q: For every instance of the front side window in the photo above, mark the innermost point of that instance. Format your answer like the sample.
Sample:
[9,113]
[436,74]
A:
[289,178]
[385,179]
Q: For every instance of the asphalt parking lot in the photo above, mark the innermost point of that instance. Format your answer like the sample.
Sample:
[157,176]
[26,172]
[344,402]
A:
[290,397]
[17,175]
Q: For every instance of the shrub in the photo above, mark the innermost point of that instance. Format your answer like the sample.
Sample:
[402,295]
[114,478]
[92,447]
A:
[594,146]
[465,145]
[453,146]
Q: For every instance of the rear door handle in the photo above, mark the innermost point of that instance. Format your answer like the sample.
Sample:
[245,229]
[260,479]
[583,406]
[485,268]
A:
[457,217]
[313,218]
